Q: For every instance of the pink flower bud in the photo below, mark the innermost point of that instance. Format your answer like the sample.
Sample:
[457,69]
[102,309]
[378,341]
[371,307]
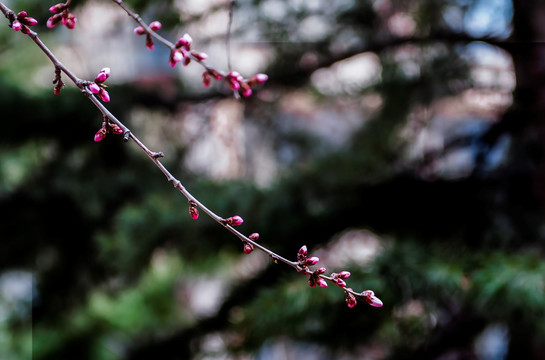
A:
[344,274]
[234,220]
[303,251]
[187,60]
[216,75]
[116,129]
[321,282]
[139,30]
[184,41]
[320,270]
[246,91]
[94,88]
[25,29]
[30,21]
[177,56]
[312,261]
[254,236]
[340,282]
[53,21]
[149,42]
[261,78]
[21,15]
[55,9]
[199,55]
[351,300]
[371,299]
[103,75]
[104,96]
[234,85]
[193,212]
[57,90]
[248,248]
[101,134]
[16,25]
[155,25]
[206,79]
[70,21]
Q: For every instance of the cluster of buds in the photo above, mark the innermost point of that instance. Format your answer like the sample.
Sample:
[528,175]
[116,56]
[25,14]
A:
[193,210]
[237,83]
[233,221]
[154,26]
[340,277]
[315,278]
[98,87]
[105,129]
[62,14]
[22,22]
[181,51]
[248,248]
[305,262]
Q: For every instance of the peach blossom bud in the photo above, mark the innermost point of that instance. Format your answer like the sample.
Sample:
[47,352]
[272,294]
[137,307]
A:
[21,14]
[303,251]
[101,134]
[29,21]
[139,30]
[206,79]
[234,85]
[340,282]
[116,129]
[193,212]
[216,75]
[344,275]
[177,56]
[187,60]
[234,220]
[350,300]
[16,25]
[199,55]
[371,299]
[70,21]
[184,41]
[55,9]
[321,282]
[312,261]
[57,90]
[104,96]
[155,25]
[248,248]
[94,88]
[254,236]
[149,42]
[103,75]
[320,270]
[53,21]
[246,91]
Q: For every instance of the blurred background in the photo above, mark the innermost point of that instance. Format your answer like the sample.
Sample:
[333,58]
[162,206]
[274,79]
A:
[400,140]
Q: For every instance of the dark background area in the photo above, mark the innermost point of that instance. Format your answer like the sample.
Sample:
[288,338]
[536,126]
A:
[399,140]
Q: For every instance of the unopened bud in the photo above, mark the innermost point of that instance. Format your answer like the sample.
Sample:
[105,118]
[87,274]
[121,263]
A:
[206,79]
[70,21]
[155,25]
[199,55]
[16,25]
[321,282]
[139,30]
[234,220]
[53,21]
[344,274]
[21,14]
[371,299]
[116,129]
[311,261]
[303,251]
[340,282]
[184,41]
[254,236]
[55,9]
[101,134]
[104,96]
[30,21]
[248,248]
[94,88]
[351,300]
[193,212]
[149,42]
